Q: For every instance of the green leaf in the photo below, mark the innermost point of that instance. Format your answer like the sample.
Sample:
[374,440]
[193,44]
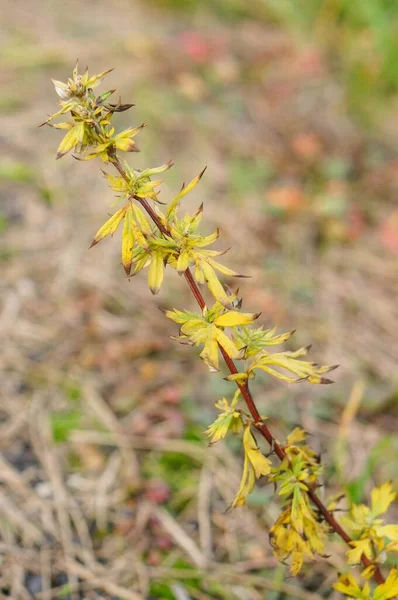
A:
[62,424]
[156,170]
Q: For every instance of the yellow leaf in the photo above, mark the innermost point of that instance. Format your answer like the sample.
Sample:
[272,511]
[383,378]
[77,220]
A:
[261,464]
[123,140]
[199,275]
[191,184]
[297,513]
[278,528]
[96,79]
[141,219]
[141,260]
[156,170]
[223,269]
[228,419]
[215,287]
[360,515]
[219,429]
[209,353]
[388,589]
[126,145]
[207,240]
[196,220]
[246,485]
[315,535]
[237,377]
[184,260]
[127,241]
[183,192]
[156,272]
[297,562]
[348,585]
[298,548]
[389,531]
[71,139]
[228,345]
[296,436]
[193,326]
[274,373]
[99,150]
[110,226]
[391,547]
[146,190]
[178,316]
[359,547]
[368,572]
[233,319]
[138,235]
[118,184]
[66,126]
[382,497]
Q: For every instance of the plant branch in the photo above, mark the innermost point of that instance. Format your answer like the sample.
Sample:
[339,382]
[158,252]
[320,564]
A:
[244,387]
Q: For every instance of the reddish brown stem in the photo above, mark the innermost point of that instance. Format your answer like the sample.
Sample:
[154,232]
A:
[194,288]
[263,429]
[247,396]
[152,214]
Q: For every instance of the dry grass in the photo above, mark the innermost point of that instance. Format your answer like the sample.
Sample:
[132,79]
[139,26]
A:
[107,489]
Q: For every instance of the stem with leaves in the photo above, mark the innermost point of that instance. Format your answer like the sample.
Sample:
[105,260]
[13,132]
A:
[166,240]
[245,391]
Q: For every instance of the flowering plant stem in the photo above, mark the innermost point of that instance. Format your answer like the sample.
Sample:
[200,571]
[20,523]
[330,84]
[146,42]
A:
[246,393]
[158,239]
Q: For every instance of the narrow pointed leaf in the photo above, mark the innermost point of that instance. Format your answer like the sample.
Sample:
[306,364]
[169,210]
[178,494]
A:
[183,192]
[110,226]
[210,352]
[141,219]
[223,269]
[71,139]
[261,464]
[246,485]
[208,240]
[184,260]
[156,170]
[96,79]
[127,241]
[228,345]
[214,285]
[233,319]
[155,273]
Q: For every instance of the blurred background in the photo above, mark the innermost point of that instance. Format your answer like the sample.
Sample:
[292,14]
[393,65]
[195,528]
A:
[107,486]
